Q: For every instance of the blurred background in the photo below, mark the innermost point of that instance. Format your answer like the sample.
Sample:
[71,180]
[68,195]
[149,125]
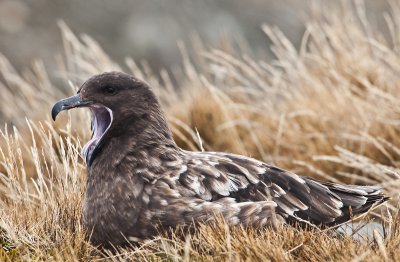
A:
[149,30]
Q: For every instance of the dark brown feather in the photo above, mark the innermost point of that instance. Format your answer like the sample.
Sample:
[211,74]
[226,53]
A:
[138,178]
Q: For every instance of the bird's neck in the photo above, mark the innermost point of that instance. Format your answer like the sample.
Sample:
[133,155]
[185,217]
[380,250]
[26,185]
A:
[139,146]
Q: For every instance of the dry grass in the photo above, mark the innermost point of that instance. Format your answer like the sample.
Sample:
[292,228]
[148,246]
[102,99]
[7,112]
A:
[329,109]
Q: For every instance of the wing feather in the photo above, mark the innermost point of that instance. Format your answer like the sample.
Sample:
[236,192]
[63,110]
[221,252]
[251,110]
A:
[250,184]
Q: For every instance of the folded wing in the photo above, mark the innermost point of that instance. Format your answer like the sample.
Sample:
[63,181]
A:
[248,183]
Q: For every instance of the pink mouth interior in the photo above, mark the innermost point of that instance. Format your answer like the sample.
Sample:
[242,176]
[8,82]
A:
[101,121]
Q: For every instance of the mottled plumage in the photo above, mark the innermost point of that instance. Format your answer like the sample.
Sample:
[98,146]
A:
[138,178]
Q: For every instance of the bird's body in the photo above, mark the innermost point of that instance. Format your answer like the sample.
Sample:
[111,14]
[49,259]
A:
[139,179]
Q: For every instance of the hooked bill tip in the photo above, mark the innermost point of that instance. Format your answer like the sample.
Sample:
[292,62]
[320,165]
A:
[57,108]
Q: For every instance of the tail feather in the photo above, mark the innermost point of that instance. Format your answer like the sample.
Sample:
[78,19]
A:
[333,204]
[356,199]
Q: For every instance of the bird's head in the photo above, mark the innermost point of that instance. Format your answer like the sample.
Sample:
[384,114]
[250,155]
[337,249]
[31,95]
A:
[118,102]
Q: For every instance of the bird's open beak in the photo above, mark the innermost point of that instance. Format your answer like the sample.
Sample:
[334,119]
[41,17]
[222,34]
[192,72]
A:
[68,103]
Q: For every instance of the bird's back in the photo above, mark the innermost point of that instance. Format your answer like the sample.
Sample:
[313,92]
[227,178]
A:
[246,191]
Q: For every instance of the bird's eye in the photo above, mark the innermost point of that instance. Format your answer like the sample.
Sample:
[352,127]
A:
[110,90]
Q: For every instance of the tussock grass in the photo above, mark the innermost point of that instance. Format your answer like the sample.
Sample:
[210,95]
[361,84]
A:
[328,109]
